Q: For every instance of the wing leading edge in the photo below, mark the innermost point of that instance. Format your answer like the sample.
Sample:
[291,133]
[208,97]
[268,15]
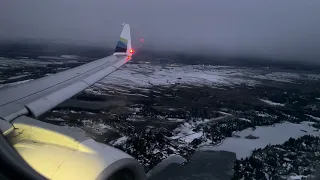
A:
[73,148]
[39,96]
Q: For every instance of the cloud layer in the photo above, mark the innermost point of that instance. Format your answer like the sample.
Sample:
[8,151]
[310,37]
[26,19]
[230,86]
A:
[287,29]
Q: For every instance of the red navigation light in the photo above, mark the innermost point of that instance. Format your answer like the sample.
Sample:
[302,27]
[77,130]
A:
[128,58]
[131,51]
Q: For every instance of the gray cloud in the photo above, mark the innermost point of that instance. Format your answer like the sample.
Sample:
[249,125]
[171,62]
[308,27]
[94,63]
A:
[286,28]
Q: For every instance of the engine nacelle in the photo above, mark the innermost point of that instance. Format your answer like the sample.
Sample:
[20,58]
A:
[67,153]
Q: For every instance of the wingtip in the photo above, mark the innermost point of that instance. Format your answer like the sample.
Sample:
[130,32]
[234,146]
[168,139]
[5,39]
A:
[124,44]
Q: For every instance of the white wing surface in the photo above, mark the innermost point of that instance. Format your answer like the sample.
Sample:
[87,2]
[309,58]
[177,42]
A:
[39,96]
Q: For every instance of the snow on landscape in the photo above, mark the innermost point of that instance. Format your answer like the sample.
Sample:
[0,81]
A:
[142,75]
[245,119]
[277,134]
[62,57]
[279,76]
[92,90]
[147,75]
[10,62]
[271,102]
[17,77]
[313,117]
[185,131]
[97,127]
[119,141]
[56,119]
[297,177]
[263,114]
[15,83]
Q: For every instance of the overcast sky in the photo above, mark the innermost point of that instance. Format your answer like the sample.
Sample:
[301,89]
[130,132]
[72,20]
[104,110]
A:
[270,28]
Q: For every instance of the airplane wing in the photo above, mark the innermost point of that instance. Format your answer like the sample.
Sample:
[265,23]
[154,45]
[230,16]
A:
[55,151]
[39,96]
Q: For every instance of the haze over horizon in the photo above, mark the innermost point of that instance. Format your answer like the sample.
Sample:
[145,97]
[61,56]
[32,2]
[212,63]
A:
[271,29]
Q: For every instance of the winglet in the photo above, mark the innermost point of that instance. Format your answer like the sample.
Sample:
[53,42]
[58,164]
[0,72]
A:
[124,44]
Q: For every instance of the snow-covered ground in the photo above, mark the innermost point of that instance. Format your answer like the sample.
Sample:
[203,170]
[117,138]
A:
[313,117]
[296,177]
[17,77]
[185,133]
[280,76]
[45,60]
[25,62]
[264,114]
[14,83]
[62,57]
[277,134]
[145,75]
[141,75]
[97,127]
[120,140]
[271,102]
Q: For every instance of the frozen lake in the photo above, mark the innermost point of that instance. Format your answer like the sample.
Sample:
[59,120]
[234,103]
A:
[277,134]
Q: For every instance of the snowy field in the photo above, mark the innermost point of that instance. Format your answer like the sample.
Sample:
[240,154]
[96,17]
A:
[45,60]
[137,75]
[147,75]
[271,103]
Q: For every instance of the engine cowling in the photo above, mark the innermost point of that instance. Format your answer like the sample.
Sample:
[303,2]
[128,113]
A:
[66,153]
[91,161]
